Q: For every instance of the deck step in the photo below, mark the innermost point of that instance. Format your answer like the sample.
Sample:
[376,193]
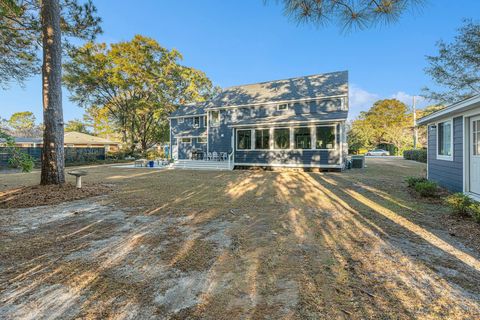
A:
[200,165]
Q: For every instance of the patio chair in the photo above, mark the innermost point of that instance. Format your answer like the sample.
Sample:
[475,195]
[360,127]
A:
[223,156]
[208,156]
[215,156]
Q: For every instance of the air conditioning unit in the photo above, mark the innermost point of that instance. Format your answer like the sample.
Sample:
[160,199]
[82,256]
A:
[358,162]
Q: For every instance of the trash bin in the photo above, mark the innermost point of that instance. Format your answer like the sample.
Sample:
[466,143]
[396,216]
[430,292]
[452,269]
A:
[151,163]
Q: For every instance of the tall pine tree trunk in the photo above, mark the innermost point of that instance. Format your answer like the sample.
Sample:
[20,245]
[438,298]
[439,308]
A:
[53,160]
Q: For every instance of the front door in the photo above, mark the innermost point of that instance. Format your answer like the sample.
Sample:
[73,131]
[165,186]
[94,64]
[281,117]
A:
[475,155]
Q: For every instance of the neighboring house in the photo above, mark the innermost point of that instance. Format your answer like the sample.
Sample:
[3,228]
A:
[71,139]
[454,146]
[297,122]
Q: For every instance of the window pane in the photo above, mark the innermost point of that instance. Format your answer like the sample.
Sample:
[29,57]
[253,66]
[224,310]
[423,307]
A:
[302,138]
[244,139]
[325,137]
[262,138]
[281,138]
[445,139]
[196,121]
[215,118]
[202,140]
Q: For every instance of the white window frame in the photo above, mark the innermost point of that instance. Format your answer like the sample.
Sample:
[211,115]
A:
[279,106]
[198,140]
[439,156]
[289,138]
[181,120]
[255,140]
[205,121]
[212,123]
[189,140]
[335,137]
[252,139]
[194,124]
[292,135]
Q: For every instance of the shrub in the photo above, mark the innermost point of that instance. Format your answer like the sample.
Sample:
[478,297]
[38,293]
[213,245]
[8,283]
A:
[426,188]
[419,155]
[412,181]
[474,210]
[459,203]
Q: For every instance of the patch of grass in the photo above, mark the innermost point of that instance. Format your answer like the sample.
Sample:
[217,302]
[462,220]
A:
[199,257]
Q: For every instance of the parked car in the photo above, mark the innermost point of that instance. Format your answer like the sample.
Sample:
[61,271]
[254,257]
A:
[378,152]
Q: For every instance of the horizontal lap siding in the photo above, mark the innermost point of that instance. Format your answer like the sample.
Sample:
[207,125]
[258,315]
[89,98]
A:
[299,157]
[448,174]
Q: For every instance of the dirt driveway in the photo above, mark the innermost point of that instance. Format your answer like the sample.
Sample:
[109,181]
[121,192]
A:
[239,245]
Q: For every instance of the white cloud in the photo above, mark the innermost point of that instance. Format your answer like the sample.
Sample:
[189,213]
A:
[360,100]
[408,99]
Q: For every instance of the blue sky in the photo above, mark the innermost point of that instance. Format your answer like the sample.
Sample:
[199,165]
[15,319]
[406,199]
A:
[238,42]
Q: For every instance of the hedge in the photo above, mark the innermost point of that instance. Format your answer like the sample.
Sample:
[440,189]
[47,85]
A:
[419,155]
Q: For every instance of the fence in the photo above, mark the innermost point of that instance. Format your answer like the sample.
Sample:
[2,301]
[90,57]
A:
[72,155]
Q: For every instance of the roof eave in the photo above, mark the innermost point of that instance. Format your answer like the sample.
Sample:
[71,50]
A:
[455,108]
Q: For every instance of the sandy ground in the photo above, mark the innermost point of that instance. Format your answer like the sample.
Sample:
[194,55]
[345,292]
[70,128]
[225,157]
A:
[239,245]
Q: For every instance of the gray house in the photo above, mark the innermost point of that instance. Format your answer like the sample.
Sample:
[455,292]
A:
[454,146]
[297,122]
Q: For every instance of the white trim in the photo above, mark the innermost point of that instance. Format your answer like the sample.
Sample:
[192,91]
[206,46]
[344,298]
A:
[474,196]
[456,107]
[332,121]
[444,157]
[170,138]
[182,120]
[469,154]
[201,136]
[188,116]
[290,165]
[466,153]
[278,102]
[283,104]
[428,147]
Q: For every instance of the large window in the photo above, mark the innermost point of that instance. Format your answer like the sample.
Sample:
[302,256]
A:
[262,139]
[302,138]
[281,138]
[215,120]
[325,137]
[244,141]
[445,139]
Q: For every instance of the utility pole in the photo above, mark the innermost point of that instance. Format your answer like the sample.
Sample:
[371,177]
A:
[415,129]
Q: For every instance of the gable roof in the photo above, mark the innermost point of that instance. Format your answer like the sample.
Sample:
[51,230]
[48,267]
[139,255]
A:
[188,110]
[74,137]
[307,87]
[452,109]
